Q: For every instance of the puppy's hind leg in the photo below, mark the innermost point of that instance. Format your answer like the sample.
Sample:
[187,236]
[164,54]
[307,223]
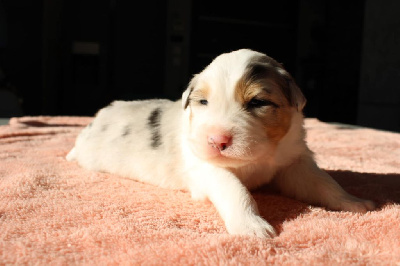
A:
[305,181]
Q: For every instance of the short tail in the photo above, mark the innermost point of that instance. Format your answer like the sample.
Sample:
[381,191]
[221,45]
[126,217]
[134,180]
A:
[71,156]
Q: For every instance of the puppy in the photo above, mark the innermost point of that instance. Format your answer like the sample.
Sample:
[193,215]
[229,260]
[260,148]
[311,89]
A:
[239,125]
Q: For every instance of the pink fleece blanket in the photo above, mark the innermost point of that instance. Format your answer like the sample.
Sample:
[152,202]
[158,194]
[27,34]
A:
[53,211]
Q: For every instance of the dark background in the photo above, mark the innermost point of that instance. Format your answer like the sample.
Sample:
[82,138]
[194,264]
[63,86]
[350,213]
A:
[71,57]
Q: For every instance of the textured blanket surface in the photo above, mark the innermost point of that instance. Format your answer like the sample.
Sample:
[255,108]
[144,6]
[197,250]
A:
[54,212]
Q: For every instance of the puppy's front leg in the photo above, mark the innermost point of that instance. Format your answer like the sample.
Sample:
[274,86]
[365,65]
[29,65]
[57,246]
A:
[233,201]
[305,181]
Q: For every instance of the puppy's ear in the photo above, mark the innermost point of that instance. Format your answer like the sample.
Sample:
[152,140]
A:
[187,92]
[297,98]
[291,90]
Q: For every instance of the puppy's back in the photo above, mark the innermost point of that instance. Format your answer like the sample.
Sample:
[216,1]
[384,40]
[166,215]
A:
[137,138]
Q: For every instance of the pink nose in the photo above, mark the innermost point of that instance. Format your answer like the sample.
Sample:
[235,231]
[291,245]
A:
[219,141]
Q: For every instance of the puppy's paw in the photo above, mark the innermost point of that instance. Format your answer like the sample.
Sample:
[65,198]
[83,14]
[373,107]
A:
[354,204]
[250,225]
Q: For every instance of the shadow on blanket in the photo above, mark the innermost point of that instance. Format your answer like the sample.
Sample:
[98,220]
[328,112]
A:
[383,189]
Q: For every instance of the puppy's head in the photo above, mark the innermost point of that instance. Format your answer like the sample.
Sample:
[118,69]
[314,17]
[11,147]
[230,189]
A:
[239,108]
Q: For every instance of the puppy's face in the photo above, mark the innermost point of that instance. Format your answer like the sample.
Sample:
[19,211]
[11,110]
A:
[239,108]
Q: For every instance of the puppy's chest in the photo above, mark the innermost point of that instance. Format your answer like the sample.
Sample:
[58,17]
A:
[255,176]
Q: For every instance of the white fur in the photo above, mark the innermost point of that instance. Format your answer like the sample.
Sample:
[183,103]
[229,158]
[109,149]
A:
[184,160]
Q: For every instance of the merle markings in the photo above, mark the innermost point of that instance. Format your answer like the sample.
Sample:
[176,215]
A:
[154,125]
[126,131]
[104,128]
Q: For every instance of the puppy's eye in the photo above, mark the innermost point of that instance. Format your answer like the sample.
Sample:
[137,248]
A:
[203,102]
[258,103]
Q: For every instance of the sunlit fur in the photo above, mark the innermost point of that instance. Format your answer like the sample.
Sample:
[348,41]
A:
[238,126]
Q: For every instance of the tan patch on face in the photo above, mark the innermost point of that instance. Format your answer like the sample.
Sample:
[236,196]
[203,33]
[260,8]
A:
[277,123]
[202,92]
[190,116]
[275,117]
[246,90]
